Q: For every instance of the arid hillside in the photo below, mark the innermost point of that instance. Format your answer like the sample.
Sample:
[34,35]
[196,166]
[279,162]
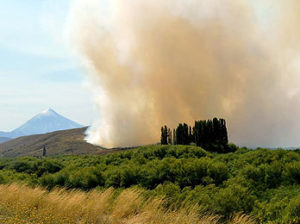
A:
[67,142]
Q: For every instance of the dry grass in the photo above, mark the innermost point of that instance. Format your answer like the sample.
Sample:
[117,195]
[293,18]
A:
[24,205]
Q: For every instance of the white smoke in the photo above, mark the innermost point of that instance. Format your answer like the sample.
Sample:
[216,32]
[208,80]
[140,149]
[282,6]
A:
[163,62]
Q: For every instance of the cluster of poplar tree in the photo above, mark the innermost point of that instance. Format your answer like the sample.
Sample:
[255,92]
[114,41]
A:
[208,134]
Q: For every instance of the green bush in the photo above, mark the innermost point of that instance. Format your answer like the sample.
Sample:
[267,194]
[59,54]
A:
[232,199]
[292,172]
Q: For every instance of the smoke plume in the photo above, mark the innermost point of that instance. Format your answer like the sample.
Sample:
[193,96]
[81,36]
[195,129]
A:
[156,62]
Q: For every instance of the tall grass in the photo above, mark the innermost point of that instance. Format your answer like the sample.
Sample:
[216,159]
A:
[24,205]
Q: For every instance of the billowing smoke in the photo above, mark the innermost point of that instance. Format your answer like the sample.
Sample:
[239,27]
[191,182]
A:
[156,62]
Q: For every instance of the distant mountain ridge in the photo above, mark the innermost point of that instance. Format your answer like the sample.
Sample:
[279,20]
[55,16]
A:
[44,122]
[4,139]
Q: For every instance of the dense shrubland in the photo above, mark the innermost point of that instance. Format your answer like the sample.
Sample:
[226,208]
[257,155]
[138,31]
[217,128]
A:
[263,183]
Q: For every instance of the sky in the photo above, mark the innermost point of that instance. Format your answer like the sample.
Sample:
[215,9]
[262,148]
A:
[38,68]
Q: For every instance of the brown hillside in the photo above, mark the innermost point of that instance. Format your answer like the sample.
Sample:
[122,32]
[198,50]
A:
[67,142]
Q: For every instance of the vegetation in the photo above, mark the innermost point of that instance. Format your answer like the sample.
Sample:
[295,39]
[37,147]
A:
[21,204]
[261,183]
[208,134]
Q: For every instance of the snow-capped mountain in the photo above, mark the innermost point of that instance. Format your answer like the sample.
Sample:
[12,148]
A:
[45,122]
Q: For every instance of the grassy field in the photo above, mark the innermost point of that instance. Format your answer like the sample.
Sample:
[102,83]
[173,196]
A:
[21,204]
[187,181]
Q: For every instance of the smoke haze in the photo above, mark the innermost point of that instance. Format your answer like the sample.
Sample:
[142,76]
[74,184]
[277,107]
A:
[155,62]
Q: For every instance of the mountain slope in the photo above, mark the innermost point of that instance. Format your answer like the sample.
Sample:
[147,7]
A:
[45,122]
[67,142]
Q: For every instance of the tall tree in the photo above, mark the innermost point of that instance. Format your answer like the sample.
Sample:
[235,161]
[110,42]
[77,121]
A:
[217,131]
[164,135]
[170,136]
[186,139]
[191,135]
[179,135]
[174,137]
[224,133]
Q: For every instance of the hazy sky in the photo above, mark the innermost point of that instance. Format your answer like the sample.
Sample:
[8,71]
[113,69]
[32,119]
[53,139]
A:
[37,68]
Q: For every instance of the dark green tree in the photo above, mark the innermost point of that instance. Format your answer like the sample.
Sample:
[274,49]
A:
[186,136]
[170,137]
[164,135]
[174,137]
[179,135]
[224,132]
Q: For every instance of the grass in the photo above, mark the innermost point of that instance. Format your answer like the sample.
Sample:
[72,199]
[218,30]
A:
[23,205]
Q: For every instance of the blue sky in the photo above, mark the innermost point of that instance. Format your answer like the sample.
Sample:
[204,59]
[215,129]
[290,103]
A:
[37,68]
